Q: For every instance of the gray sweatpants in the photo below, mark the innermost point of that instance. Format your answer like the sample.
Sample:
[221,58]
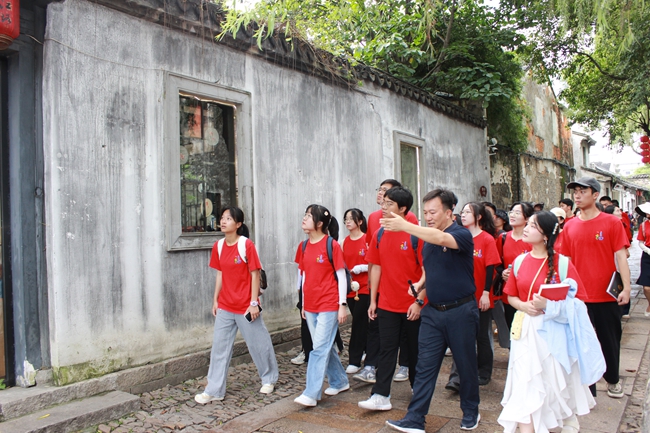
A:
[259,345]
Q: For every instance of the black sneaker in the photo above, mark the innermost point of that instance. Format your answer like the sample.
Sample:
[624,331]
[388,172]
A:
[482,381]
[405,426]
[452,386]
[470,422]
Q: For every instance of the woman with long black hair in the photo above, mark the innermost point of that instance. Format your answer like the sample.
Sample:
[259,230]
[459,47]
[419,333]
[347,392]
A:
[236,306]
[554,352]
[321,276]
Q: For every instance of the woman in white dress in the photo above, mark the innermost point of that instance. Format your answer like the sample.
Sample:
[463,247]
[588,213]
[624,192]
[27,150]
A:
[557,355]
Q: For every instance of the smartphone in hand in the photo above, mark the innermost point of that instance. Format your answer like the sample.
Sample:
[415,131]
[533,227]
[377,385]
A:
[248,315]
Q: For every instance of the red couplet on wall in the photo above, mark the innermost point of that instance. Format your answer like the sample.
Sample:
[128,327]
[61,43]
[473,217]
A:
[9,22]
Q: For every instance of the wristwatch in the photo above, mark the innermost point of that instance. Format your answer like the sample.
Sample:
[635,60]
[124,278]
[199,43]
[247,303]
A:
[420,302]
[255,304]
[344,304]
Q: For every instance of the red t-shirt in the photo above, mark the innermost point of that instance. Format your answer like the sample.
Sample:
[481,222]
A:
[485,254]
[354,253]
[235,294]
[396,257]
[646,238]
[510,250]
[591,245]
[520,285]
[373,222]
[320,290]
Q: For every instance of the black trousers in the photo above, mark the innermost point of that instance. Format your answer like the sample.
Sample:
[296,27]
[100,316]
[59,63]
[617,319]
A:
[510,314]
[390,333]
[359,332]
[606,318]
[484,349]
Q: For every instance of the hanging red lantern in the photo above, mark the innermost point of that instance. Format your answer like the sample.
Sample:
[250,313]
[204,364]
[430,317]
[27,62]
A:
[645,153]
[645,146]
[645,159]
[9,22]
[645,139]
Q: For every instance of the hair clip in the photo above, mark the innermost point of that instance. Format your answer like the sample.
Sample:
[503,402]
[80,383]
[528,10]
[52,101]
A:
[555,228]
[326,213]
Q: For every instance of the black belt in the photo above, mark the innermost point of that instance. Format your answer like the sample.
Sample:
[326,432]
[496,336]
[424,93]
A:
[450,305]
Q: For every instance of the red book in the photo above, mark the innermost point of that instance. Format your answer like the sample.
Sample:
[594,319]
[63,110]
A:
[554,292]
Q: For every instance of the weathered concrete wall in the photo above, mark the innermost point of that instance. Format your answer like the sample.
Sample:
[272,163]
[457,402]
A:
[118,298]
[540,173]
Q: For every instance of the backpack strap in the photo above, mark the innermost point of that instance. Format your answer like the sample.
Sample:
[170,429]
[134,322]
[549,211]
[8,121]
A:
[517,263]
[330,244]
[241,248]
[380,233]
[414,244]
[563,265]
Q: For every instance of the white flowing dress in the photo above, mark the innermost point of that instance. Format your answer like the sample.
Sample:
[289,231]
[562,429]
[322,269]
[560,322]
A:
[538,389]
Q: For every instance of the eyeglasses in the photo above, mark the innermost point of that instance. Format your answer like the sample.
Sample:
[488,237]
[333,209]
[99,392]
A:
[386,204]
[306,216]
[348,220]
[466,212]
[515,213]
[383,190]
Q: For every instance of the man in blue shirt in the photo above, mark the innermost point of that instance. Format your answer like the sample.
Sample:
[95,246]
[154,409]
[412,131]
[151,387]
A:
[451,317]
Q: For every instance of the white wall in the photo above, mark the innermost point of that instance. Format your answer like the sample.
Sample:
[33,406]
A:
[118,298]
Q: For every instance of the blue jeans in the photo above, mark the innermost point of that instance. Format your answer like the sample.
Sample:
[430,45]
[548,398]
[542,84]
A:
[456,329]
[324,358]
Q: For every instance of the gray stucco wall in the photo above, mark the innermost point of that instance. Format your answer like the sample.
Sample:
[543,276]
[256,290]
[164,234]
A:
[118,298]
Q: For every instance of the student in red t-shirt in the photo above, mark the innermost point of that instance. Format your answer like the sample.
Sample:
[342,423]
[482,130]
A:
[236,294]
[394,262]
[368,373]
[544,387]
[566,204]
[324,292]
[644,243]
[476,218]
[355,249]
[514,246]
[596,244]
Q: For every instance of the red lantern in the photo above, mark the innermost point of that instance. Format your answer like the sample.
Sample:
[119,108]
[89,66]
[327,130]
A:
[645,146]
[645,139]
[645,153]
[9,22]
[645,159]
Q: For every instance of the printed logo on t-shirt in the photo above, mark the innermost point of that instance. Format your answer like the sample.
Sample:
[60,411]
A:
[599,236]
[403,246]
[362,252]
[554,279]
[478,253]
[238,260]
[320,259]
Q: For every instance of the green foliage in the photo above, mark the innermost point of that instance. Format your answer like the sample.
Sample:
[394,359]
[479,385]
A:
[600,49]
[3,385]
[644,169]
[458,47]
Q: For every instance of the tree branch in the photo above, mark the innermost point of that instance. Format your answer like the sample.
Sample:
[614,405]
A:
[605,73]
[441,57]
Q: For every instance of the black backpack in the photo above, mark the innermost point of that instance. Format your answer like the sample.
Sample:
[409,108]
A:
[330,243]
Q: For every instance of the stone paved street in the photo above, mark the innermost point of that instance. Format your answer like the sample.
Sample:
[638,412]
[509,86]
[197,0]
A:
[245,410]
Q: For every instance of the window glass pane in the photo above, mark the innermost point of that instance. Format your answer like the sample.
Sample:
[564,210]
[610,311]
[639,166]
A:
[410,174]
[207,158]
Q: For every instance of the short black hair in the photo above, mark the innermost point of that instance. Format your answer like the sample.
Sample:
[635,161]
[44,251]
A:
[567,201]
[605,198]
[490,205]
[401,196]
[446,196]
[392,182]
[615,203]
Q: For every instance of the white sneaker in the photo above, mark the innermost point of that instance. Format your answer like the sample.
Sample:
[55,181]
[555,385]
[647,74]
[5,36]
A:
[334,391]
[376,402]
[367,374]
[204,398]
[305,401]
[402,374]
[300,359]
[267,388]
[352,369]
[615,390]
[448,352]
[571,424]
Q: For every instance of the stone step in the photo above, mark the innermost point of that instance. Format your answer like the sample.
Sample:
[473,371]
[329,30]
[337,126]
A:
[75,415]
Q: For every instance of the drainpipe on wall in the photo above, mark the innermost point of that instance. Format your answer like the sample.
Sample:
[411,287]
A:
[518,176]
